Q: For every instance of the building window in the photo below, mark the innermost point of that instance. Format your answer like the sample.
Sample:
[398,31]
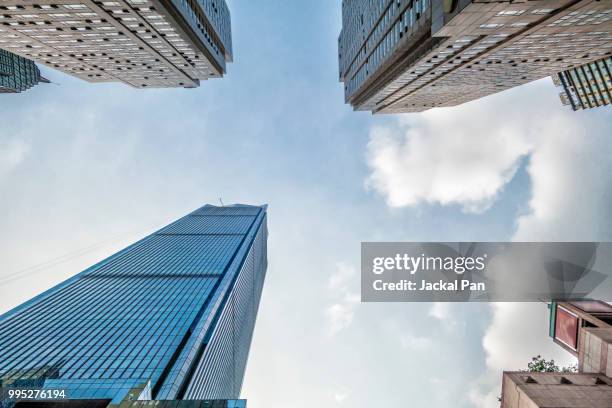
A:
[510,12]
[491,25]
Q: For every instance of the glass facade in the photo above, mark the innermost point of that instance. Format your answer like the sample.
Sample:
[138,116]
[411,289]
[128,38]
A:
[587,86]
[17,74]
[382,23]
[170,317]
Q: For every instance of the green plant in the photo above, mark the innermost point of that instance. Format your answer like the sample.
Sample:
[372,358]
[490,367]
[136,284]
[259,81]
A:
[541,365]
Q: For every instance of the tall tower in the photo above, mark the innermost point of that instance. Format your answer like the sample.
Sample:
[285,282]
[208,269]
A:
[143,43]
[17,74]
[412,55]
[168,318]
[587,86]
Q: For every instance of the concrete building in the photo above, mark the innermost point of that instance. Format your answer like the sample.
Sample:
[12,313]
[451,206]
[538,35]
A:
[587,86]
[570,321]
[554,390]
[143,43]
[170,317]
[584,328]
[412,55]
[17,74]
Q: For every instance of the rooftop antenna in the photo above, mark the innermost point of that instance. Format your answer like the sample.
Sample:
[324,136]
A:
[47,81]
[221,201]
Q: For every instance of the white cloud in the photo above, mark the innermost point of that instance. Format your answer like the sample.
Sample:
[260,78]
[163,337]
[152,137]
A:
[339,315]
[461,156]
[341,396]
[415,343]
[485,399]
[467,154]
[339,279]
[571,175]
[440,311]
[12,153]
[443,312]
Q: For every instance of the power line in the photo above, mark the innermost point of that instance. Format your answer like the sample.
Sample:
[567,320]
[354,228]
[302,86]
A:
[70,255]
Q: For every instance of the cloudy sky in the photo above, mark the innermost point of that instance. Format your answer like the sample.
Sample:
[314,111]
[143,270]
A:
[86,169]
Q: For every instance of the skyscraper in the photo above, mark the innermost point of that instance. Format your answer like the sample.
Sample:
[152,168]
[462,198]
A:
[143,43]
[17,73]
[168,318]
[412,55]
[587,86]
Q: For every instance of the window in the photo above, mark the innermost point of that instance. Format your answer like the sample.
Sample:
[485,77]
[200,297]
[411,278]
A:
[491,25]
[542,11]
[510,12]
[75,6]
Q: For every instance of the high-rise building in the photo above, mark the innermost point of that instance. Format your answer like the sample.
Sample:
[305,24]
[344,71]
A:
[17,74]
[412,55]
[587,86]
[168,318]
[143,43]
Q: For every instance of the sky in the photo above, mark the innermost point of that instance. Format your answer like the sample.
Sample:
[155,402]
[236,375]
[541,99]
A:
[86,169]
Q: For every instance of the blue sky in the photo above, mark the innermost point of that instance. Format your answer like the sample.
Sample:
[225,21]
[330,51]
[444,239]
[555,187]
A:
[94,167]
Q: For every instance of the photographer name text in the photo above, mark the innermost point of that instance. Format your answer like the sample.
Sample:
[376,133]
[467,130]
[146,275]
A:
[427,286]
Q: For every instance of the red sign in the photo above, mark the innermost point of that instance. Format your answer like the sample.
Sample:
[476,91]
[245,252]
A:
[566,328]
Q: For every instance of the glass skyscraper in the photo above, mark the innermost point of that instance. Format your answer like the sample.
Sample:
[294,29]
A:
[168,318]
[586,86]
[17,74]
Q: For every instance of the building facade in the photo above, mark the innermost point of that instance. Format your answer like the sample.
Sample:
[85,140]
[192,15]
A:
[168,318]
[587,86]
[143,43]
[412,55]
[574,325]
[17,74]
[556,390]
[584,328]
